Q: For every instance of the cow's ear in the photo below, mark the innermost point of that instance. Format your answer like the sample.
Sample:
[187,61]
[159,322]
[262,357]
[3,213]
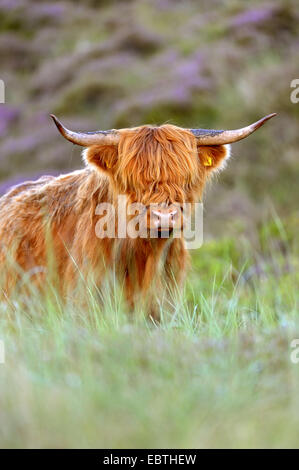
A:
[103,157]
[213,157]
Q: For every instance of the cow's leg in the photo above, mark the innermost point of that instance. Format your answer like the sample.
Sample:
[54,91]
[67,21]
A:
[129,291]
[176,263]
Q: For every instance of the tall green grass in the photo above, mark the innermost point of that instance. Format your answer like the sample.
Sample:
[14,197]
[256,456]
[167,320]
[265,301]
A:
[216,372]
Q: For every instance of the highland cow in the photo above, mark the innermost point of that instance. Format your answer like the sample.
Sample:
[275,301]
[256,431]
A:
[166,166]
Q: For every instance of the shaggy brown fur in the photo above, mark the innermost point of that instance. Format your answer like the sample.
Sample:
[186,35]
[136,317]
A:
[149,165]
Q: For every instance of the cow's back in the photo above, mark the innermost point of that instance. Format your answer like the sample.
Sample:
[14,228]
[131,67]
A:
[39,218]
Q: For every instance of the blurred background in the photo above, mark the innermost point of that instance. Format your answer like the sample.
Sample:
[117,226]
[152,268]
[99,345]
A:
[110,64]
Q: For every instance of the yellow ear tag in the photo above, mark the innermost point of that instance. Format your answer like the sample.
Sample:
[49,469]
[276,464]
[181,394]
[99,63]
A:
[208,161]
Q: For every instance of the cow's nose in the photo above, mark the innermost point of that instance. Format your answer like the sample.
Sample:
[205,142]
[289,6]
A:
[164,219]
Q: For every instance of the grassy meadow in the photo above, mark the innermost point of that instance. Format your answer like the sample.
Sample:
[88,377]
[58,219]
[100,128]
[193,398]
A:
[217,372]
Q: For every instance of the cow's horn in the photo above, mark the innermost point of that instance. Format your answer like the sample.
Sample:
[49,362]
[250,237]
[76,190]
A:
[87,138]
[215,137]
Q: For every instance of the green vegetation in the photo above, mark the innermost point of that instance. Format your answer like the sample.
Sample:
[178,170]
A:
[216,373]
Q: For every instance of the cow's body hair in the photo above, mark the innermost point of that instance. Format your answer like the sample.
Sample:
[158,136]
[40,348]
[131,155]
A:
[161,164]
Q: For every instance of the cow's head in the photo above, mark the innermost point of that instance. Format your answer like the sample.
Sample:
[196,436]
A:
[160,167]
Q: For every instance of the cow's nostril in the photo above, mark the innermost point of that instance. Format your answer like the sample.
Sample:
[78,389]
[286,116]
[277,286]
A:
[165,219]
[173,216]
[156,214]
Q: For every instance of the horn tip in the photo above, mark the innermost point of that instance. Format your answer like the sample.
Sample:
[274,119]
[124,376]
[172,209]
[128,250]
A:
[57,123]
[263,120]
[54,118]
[269,116]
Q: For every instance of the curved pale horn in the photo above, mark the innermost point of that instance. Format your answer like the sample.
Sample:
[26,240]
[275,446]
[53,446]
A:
[215,137]
[87,138]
